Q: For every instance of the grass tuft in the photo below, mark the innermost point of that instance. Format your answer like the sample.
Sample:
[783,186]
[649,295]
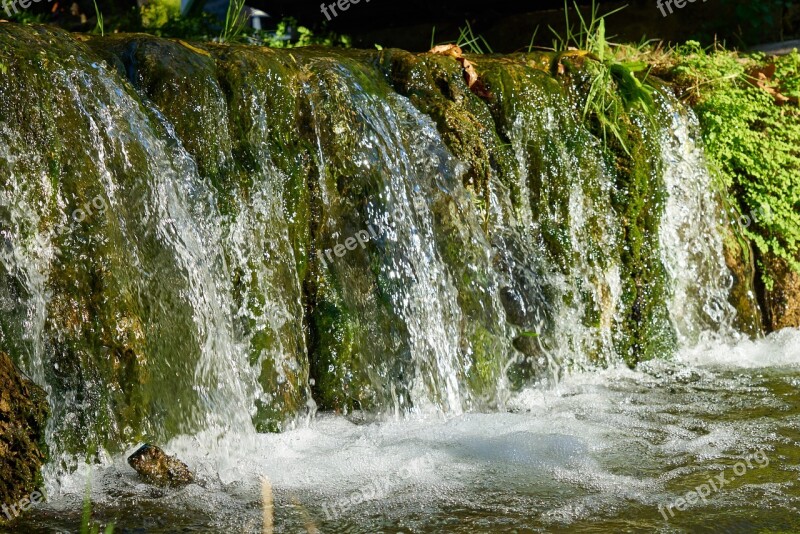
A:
[235,21]
[614,88]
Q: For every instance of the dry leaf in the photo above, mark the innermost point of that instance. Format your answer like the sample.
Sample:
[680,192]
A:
[447,50]
[470,74]
[760,76]
[194,48]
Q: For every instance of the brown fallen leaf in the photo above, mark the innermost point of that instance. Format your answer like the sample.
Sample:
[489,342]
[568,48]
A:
[761,76]
[447,50]
[470,74]
[764,73]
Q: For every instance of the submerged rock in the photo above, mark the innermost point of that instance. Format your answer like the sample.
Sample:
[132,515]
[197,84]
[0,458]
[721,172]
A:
[23,414]
[156,467]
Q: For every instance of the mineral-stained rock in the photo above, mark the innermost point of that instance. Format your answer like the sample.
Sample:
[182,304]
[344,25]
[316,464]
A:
[782,303]
[156,467]
[23,414]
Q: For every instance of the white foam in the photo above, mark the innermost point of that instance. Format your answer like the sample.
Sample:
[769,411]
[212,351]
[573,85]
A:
[779,349]
[600,442]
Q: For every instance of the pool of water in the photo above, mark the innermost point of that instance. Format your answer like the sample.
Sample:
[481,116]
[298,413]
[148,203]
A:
[609,450]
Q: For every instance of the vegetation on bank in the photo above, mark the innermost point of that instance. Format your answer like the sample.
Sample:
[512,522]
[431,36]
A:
[748,105]
[748,110]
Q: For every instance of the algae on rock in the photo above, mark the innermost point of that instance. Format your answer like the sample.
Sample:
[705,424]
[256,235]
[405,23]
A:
[23,415]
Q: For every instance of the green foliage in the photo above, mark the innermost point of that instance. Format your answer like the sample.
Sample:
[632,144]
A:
[787,70]
[471,43]
[159,13]
[282,36]
[613,86]
[235,21]
[754,141]
[467,41]
[588,36]
[163,18]
[99,28]
[533,38]
[24,16]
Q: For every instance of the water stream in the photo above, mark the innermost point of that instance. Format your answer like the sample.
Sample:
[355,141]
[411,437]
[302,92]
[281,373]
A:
[410,309]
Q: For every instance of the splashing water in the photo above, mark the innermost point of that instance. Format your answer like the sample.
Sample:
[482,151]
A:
[488,316]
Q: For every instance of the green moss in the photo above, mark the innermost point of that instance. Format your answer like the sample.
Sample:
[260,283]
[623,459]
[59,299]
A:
[23,417]
[643,328]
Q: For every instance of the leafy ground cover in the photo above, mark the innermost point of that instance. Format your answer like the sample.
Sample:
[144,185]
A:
[748,109]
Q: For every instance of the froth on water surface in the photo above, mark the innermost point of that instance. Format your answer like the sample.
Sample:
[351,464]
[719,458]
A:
[602,451]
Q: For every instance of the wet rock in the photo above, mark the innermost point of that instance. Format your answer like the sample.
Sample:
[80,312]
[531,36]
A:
[739,259]
[156,467]
[23,414]
[782,303]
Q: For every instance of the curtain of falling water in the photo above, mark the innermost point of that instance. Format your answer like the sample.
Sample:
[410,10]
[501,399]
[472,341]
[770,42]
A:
[198,294]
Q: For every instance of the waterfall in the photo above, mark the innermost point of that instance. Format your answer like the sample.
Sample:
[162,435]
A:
[219,239]
[691,233]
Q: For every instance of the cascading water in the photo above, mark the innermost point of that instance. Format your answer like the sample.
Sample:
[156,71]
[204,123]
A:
[218,288]
[692,235]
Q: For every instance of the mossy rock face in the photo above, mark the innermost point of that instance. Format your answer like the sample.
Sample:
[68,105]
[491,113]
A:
[234,108]
[94,334]
[23,416]
[740,261]
[180,79]
[540,178]
[500,233]
[781,301]
[361,357]
[642,328]
[559,236]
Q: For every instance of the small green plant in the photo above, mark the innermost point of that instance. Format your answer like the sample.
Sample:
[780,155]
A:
[588,36]
[467,41]
[289,34]
[87,526]
[533,38]
[613,86]
[99,27]
[157,14]
[750,118]
[235,21]
[471,43]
